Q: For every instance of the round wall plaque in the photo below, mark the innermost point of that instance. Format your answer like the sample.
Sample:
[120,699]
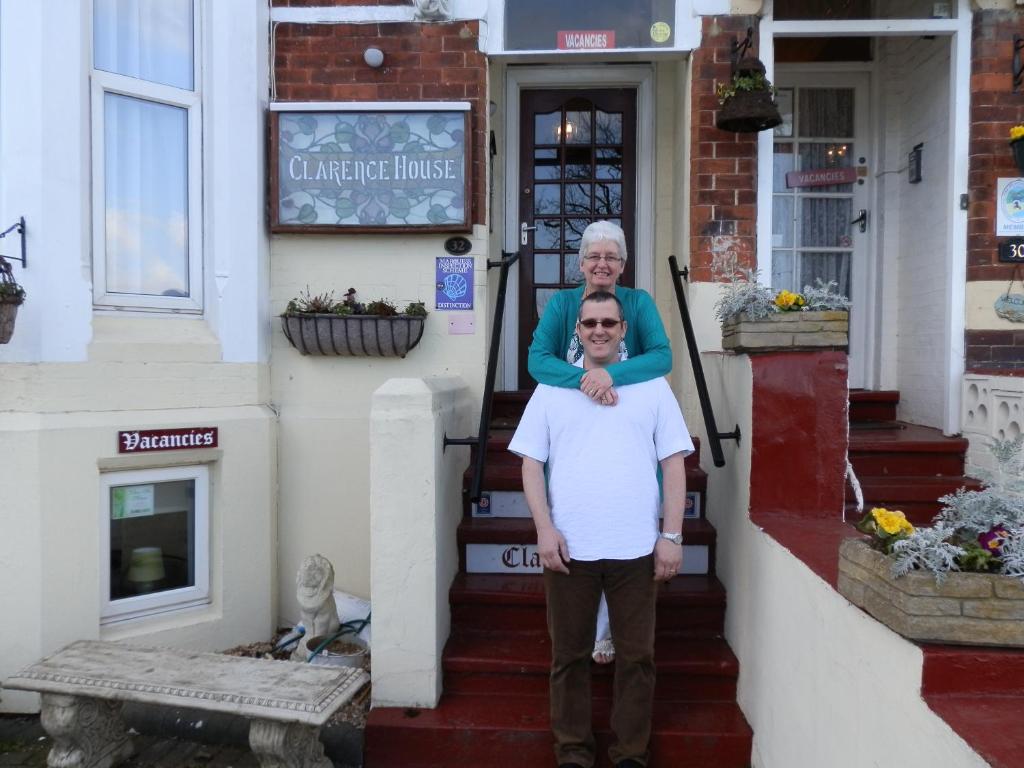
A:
[458,245]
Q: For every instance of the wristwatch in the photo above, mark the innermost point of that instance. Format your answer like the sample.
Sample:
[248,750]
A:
[675,538]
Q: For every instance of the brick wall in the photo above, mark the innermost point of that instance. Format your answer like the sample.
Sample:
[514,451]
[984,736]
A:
[723,165]
[995,352]
[422,62]
[994,109]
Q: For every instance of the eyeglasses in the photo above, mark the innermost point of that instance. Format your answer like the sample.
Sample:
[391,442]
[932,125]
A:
[605,322]
[593,258]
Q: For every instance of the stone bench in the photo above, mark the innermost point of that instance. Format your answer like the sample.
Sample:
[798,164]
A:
[84,685]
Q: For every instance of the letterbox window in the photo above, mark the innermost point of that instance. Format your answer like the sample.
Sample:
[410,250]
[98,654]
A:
[156,525]
[588,25]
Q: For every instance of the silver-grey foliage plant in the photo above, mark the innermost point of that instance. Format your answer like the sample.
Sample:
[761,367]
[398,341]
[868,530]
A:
[744,294]
[966,515]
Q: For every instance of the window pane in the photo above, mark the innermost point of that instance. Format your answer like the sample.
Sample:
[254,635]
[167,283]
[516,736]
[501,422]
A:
[573,273]
[543,296]
[828,267]
[546,164]
[577,127]
[607,199]
[609,127]
[545,268]
[826,112]
[147,39]
[541,25]
[546,198]
[783,162]
[547,127]
[574,233]
[782,221]
[548,234]
[146,194]
[577,162]
[152,538]
[609,163]
[782,271]
[825,222]
[577,198]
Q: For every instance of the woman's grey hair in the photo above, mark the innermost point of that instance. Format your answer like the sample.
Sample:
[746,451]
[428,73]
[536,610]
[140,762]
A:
[603,230]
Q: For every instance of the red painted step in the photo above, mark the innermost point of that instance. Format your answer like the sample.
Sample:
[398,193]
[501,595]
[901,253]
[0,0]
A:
[917,497]
[689,606]
[473,731]
[517,663]
[909,450]
[873,406]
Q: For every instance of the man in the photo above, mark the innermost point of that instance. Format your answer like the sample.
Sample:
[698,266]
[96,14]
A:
[597,530]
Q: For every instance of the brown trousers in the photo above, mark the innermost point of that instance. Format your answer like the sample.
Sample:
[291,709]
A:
[572,619]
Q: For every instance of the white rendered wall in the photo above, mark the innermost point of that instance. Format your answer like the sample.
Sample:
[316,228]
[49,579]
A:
[415,509]
[821,682]
[324,402]
[914,79]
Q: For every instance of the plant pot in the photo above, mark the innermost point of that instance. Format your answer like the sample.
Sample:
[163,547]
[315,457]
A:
[748,112]
[966,608]
[353,335]
[1018,154]
[8,314]
[329,658]
[787,331]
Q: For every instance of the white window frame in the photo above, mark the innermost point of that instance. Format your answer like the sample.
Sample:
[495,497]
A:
[127,608]
[104,82]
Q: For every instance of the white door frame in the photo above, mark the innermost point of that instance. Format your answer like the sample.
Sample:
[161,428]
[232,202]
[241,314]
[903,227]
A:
[955,259]
[517,79]
[864,260]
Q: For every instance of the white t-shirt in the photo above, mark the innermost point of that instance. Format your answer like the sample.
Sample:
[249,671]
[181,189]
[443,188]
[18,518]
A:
[602,463]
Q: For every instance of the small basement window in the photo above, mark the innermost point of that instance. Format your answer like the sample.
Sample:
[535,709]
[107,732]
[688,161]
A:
[155,533]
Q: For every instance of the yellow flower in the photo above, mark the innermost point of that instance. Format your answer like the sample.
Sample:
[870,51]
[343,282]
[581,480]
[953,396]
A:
[785,299]
[891,521]
[1017,132]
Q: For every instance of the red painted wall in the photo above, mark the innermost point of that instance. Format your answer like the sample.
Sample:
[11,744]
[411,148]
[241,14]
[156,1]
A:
[800,433]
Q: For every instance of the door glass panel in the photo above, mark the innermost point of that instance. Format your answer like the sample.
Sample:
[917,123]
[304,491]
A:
[782,271]
[546,164]
[826,112]
[827,10]
[547,127]
[546,268]
[609,163]
[542,297]
[578,162]
[548,233]
[145,39]
[573,233]
[609,127]
[573,273]
[826,267]
[607,199]
[577,127]
[577,198]
[825,222]
[783,161]
[816,156]
[782,222]
[546,198]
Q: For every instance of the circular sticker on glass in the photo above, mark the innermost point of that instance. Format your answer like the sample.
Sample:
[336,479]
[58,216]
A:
[1012,201]
[660,31]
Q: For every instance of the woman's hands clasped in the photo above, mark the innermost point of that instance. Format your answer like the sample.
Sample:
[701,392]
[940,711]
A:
[597,385]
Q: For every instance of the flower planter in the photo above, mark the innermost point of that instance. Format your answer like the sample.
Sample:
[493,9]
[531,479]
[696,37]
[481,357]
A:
[353,335]
[966,608]
[1018,154]
[787,331]
[8,314]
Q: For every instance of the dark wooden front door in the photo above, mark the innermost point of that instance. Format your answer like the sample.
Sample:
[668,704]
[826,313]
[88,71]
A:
[577,164]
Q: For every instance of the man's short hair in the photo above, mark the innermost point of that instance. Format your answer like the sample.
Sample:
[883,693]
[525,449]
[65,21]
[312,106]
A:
[600,297]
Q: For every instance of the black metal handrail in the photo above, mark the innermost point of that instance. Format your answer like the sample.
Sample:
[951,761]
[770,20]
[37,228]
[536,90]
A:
[715,437]
[508,258]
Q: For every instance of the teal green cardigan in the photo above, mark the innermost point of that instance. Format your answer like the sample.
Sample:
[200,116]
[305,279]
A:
[646,343]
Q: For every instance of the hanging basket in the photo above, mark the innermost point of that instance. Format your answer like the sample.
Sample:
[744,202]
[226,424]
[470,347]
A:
[11,297]
[749,111]
[1018,154]
[353,335]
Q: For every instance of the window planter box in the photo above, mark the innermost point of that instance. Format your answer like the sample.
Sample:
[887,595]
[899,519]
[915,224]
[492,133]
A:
[353,335]
[967,608]
[787,331]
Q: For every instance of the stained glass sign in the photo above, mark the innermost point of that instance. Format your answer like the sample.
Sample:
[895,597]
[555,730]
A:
[369,171]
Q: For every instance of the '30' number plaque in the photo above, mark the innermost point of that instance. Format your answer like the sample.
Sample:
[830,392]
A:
[1012,250]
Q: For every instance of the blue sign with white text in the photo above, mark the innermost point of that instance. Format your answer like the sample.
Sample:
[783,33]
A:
[454,283]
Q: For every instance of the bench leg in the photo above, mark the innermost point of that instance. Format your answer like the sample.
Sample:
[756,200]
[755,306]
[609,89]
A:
[287,745]
[86,732]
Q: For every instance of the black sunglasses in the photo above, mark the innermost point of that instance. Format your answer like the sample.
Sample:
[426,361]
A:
[606,322]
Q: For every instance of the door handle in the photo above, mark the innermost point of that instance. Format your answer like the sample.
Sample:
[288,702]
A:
[524,231]
[862,219]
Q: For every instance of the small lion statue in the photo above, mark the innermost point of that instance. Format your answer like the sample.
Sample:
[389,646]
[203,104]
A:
[314,589]
[433,10]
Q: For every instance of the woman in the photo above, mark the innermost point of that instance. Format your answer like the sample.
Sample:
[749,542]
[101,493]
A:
[556,357]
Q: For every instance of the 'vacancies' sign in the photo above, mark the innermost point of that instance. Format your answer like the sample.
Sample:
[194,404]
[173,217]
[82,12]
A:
[146,440]
[370,171]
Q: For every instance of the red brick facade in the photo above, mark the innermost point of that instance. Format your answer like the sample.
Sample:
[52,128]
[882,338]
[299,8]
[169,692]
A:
[422,62]
[994,110]
[723,166]
[995,352]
